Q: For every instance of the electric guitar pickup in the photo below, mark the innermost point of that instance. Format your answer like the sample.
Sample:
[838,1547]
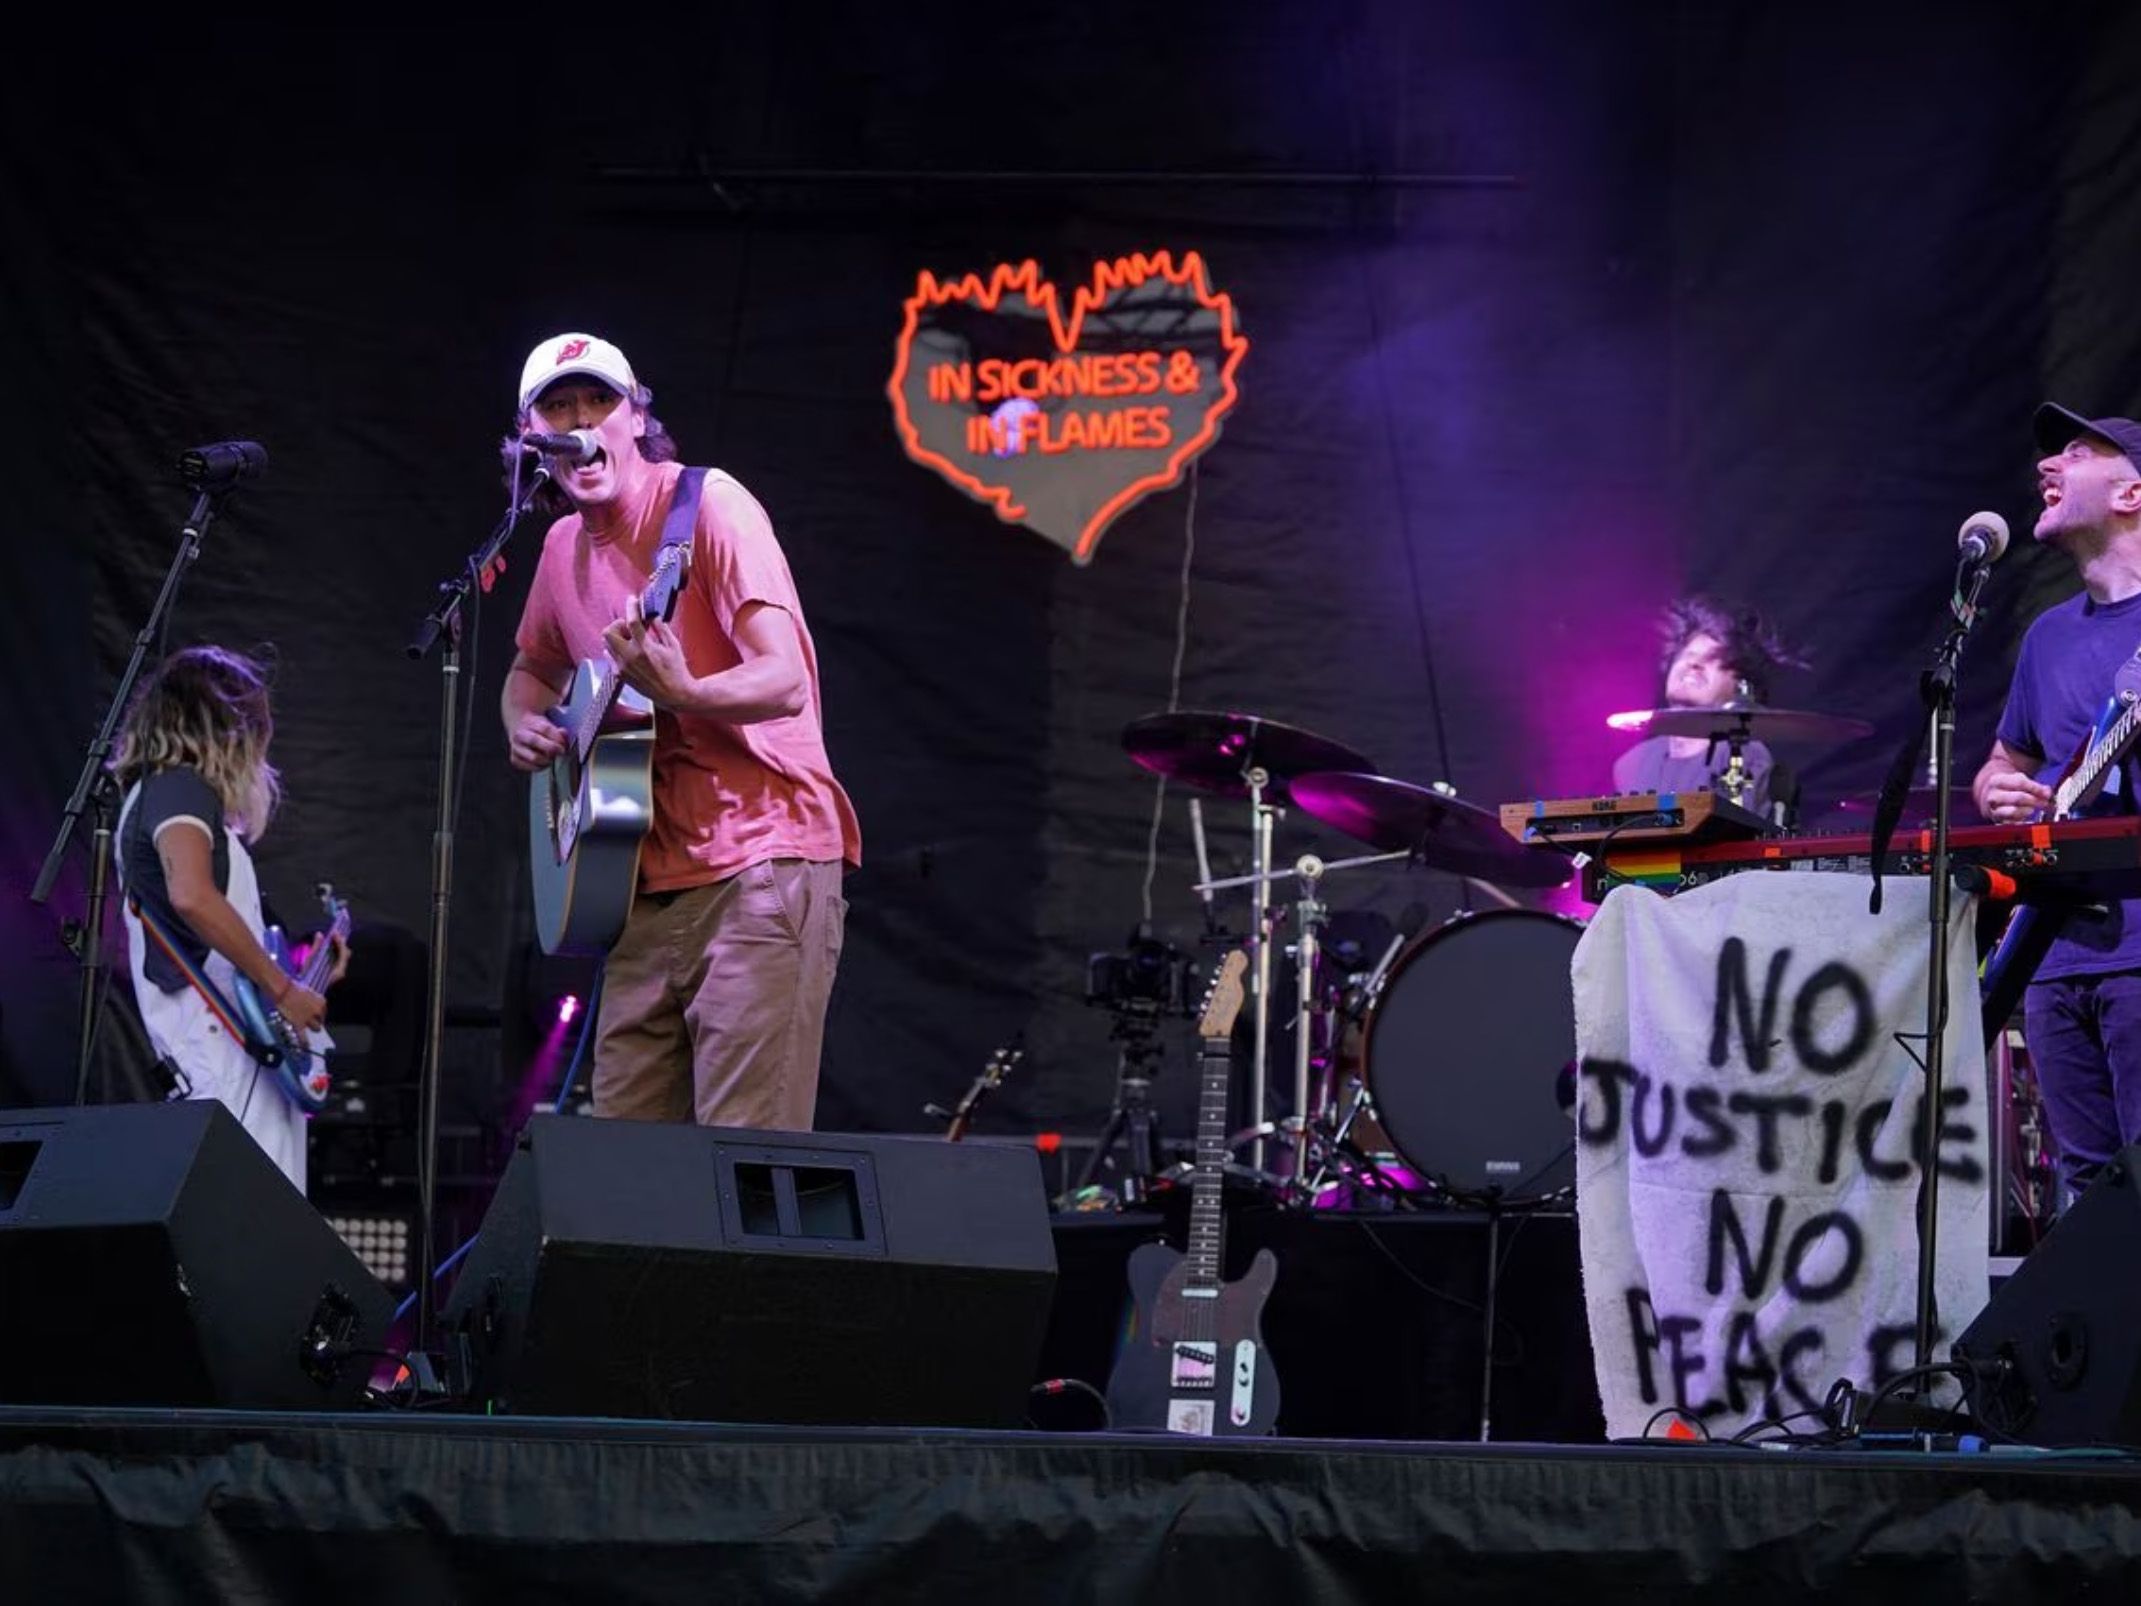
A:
[1196,1361]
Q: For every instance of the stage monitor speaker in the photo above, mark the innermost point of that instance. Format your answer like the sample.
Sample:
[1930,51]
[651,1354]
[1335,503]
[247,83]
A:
[676,1272]
[2059,1343]
[152,1254]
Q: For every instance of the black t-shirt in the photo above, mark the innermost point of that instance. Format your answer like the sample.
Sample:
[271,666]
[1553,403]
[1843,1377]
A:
[172,794]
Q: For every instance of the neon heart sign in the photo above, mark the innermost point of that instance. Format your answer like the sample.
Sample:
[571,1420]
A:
[1062,420]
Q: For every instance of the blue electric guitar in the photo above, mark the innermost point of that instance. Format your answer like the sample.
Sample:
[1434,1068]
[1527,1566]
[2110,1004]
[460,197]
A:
[301,1073]
[1196,1361]
[588,812]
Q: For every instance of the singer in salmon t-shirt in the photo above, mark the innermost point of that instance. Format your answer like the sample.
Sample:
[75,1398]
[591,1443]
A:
[714,995]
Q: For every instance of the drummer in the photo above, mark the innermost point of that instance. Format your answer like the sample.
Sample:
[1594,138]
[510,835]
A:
[1715,656]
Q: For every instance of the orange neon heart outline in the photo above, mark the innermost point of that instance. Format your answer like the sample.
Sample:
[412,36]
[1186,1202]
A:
[1123,273]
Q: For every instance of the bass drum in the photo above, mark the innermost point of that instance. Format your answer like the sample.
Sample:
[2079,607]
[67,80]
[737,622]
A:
[1470,1054]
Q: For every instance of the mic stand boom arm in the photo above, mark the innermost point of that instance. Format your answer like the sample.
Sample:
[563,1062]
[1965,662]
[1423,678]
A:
[94,790]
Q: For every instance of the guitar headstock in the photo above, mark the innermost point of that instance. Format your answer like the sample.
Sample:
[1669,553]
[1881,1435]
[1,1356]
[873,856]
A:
[672,567]
[1001,1064]
[1223,999]
[337,908]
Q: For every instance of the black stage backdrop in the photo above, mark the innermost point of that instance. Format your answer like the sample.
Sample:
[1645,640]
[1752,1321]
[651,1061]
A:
[1555,310]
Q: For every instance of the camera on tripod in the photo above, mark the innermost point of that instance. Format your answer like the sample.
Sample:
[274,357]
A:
[1149,978]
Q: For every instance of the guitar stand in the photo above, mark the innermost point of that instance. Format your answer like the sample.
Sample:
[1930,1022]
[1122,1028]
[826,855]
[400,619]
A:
[1131,1120]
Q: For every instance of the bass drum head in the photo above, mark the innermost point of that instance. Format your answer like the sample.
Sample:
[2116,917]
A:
[1470,1052]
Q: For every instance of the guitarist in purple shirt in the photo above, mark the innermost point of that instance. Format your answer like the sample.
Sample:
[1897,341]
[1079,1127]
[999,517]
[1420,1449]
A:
[2082,1011]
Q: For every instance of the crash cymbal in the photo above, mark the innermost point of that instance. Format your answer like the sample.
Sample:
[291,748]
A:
[1213,751]
[1748,723]
[1446,833]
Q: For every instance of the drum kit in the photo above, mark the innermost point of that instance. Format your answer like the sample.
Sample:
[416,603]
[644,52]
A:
[1463,991]
[1448,1070]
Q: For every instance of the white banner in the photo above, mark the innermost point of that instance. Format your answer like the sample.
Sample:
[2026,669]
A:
[1747,1174]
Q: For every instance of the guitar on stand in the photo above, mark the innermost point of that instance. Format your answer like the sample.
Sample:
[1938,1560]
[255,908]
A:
[1196,1361]
[961,1116]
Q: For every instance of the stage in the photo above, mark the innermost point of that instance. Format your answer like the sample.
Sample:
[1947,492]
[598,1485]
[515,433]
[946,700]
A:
[1382,1489]
[146,1506]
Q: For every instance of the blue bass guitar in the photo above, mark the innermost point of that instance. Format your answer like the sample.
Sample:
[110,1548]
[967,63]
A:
[301,1073]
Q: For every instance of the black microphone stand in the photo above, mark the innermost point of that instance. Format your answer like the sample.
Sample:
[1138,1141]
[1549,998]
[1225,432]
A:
[95,792]
[445,620]
[1937,689]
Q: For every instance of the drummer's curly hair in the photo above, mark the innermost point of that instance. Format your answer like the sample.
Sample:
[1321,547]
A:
[1752,646]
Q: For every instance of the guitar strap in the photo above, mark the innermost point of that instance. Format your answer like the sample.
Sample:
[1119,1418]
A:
[683,509]
[267,1055]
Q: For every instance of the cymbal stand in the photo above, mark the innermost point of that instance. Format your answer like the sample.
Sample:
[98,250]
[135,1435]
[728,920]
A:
[1736,778]
[1309,912]
[1262,815]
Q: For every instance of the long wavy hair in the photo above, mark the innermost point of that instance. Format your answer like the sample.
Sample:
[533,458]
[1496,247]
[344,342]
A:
[207,708]
[1752,648]
[656,446]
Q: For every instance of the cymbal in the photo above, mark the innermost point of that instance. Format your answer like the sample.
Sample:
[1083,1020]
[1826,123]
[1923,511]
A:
[1212,751]
[1446,833]
[1747,723]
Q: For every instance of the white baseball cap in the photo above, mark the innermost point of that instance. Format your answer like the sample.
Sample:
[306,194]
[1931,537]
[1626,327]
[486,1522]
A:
[561,355]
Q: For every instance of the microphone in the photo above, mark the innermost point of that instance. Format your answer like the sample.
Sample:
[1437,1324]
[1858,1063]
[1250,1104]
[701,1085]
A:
[1982,539]
[574,446]
[218,467]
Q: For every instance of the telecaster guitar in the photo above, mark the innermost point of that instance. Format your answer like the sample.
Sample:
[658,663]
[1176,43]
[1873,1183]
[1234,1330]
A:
[1196,1361]
[301,1074]
[589,811]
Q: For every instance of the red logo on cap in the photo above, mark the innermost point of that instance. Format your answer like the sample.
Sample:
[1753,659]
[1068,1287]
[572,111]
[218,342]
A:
[570,350]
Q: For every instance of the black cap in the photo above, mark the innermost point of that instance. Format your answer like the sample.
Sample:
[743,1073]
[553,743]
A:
[2056,429]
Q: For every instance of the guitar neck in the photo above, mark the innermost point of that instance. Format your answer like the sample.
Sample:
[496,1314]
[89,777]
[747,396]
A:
[321,961]
[1202,1253]
[2102,753]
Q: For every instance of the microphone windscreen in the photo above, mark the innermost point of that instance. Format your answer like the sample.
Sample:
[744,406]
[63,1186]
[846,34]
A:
[1988,528]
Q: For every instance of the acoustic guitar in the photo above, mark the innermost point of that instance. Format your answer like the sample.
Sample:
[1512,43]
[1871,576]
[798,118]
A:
[589,810]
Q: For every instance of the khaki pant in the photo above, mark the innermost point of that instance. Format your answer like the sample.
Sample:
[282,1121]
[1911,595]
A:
[713,1000]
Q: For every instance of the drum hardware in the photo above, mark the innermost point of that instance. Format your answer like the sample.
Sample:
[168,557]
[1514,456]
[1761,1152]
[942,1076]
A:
[1240,755]
[1735,725]
[1309,913]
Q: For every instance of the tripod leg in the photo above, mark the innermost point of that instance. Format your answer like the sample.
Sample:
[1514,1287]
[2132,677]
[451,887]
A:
[1110,1135]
